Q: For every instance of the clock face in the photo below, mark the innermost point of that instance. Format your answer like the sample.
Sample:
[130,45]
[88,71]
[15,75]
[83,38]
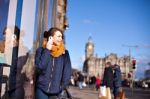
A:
[90,47]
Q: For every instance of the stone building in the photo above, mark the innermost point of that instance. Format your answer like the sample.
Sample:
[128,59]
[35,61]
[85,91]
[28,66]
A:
[94,65]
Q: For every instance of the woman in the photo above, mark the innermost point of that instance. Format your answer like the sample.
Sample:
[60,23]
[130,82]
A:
[53,65]
[98,82]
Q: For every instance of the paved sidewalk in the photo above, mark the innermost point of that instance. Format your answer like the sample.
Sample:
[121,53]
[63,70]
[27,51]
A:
[85,93]
[88,93]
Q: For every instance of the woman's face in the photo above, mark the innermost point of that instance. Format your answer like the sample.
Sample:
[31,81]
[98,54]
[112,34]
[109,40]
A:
[57,38]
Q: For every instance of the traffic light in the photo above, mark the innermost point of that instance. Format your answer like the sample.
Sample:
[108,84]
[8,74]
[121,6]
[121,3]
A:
[134,64]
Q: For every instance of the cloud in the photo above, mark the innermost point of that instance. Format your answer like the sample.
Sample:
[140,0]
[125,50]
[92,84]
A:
[146,46]
[88,21]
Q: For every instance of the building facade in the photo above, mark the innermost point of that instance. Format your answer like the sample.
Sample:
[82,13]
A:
[94,65]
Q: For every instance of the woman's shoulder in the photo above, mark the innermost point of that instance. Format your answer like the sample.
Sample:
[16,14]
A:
[41,50]
[66,51]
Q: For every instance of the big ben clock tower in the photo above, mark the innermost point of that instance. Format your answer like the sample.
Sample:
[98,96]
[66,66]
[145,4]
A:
[89,48]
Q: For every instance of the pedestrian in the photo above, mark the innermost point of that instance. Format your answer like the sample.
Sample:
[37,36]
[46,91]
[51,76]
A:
[72,81]
[98,82]
[53,65]
[93,82]
[108,79]
[80,80]
[117,81]
[75,79]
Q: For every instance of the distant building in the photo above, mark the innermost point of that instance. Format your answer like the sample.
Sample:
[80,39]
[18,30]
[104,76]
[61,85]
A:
[147,77]
[147,74]
[94,65]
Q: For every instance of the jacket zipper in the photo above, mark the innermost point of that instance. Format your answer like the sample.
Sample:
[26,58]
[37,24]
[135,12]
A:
[51,77]
[49,86]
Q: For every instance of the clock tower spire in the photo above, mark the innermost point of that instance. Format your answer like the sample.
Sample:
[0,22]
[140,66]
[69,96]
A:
[89,48]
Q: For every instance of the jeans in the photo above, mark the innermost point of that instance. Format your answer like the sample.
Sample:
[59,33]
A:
[116,91]
[41,95]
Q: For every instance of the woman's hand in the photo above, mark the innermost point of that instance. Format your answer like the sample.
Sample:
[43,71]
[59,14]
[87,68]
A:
[49,43]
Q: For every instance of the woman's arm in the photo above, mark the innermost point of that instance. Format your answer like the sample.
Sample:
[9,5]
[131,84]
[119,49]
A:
[67,70]
[41,58]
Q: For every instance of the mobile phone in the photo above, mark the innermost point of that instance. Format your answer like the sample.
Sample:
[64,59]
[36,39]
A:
[50,40]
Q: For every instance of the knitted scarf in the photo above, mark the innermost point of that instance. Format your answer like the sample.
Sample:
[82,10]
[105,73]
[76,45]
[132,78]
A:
[56,50]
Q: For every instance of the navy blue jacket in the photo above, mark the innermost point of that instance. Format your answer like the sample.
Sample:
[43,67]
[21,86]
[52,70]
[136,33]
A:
[55,73]
[117,77]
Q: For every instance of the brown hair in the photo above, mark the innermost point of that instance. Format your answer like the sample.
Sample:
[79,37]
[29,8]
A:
[51,32]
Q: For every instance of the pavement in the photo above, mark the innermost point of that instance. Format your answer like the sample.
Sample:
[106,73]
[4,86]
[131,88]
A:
[137,93]
[88,93]
[85,93]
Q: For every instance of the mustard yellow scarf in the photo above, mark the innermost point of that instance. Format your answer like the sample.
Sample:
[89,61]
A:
[56,50]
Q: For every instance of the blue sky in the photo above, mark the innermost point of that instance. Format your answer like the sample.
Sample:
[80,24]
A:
[112,24]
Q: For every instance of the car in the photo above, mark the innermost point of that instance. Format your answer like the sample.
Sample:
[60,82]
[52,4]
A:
[144,85]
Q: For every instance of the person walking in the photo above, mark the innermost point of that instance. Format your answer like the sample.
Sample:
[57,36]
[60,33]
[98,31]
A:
[53,65]
[108,79]
[80,80]
[93,81]
[117,81]
[98,82]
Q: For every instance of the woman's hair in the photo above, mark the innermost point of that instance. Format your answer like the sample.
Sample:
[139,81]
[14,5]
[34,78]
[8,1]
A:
[51,32]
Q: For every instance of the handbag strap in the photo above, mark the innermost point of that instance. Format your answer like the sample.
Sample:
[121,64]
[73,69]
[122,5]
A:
[68,94]
[65,89]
